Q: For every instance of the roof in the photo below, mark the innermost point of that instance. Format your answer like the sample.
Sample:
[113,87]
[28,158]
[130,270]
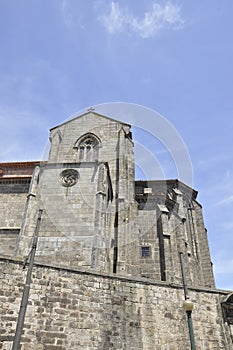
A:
[13,170]
[173,182]
[90,111]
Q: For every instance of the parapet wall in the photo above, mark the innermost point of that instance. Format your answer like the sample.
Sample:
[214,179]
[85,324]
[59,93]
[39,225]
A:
[74,309]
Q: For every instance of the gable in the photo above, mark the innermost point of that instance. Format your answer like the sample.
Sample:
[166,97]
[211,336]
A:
[91,113]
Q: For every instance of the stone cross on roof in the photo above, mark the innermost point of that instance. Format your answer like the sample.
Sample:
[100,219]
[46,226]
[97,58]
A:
[91,109]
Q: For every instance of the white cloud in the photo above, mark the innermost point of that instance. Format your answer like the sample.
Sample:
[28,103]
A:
[157,19]
[114,21]
[67,17]
[225,201]
[161,16]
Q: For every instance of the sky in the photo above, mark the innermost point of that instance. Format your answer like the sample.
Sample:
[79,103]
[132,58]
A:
[59,57]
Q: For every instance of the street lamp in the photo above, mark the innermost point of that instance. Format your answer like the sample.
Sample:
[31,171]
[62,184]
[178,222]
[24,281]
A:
[188,308]
[188,304]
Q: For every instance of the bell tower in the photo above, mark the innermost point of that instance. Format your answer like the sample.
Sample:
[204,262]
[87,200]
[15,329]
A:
[81,188]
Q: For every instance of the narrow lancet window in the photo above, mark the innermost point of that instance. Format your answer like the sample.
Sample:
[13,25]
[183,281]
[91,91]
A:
[81,153]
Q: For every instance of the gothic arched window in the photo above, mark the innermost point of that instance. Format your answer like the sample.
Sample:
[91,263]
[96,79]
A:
[88,148]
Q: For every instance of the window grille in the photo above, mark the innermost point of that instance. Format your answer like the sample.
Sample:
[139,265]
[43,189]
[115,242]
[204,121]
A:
[145,251]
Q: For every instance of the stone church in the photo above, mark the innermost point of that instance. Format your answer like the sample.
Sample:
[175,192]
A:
[107,271]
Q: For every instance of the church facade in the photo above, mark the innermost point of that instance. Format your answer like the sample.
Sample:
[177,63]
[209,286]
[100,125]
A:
[117,240]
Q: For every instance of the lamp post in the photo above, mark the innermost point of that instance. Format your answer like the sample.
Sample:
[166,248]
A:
[188,308]
[26,290]
[187,305]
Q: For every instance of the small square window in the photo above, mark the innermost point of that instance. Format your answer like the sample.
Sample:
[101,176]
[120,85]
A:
[145,251]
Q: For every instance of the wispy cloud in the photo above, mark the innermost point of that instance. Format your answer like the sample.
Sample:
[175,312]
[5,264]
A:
[119,19]
[115,20]
[72,19]
[66,16]
[226,200]
[157,19]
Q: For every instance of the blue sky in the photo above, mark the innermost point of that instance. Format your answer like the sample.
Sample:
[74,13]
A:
[61,56]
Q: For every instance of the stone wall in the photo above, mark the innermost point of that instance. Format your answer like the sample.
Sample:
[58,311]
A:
[74,309]
[13,196]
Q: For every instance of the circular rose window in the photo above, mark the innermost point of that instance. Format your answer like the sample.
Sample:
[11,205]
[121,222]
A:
[69,177]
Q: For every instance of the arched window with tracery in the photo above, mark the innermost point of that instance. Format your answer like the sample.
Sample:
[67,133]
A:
[88,148]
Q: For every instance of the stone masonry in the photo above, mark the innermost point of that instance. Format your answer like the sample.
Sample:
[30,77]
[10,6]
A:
[107,272]
[73,309]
